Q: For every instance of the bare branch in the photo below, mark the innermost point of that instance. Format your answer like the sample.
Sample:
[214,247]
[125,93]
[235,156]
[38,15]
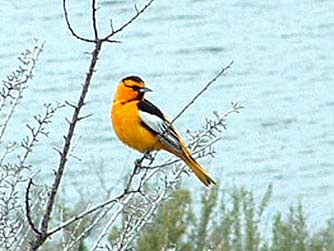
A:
[138,13]
[107,227]
[71,29]
[70,104]
[12,231]
[28,210]
[42,121]
[64,154]
[66,148]
[88,229]
[111,26]
[95,28]
[17,82]
[68,139]
[90,211]
[86,116]
[57,150]
[214,79]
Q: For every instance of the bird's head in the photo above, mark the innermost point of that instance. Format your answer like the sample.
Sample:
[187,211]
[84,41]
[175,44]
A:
[131,88]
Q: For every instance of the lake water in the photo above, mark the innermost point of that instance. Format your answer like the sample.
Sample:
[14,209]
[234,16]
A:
[283,53]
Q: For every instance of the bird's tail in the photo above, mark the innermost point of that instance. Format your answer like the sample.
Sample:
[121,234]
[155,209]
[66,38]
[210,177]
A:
[197,169]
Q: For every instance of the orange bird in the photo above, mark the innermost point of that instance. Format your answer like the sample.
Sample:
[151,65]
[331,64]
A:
[142,126]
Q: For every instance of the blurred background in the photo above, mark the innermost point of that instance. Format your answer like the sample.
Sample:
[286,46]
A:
[283,55]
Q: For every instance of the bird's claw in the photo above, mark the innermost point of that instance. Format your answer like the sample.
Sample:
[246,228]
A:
[149,156]
[138,165]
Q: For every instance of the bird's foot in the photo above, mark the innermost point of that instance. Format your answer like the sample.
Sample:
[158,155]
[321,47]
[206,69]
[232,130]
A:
[139,162]
[138,165]
[149,156]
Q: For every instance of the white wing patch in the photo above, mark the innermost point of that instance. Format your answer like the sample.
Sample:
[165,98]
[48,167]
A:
[160,126]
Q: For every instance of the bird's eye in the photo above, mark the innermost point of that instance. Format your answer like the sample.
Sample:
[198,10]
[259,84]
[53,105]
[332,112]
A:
[136,88]
[133,87]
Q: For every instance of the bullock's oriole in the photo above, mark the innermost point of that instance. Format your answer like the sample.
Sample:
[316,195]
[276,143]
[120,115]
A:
[141,125]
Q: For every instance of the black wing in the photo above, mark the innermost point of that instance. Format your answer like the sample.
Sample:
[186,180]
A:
[153,119]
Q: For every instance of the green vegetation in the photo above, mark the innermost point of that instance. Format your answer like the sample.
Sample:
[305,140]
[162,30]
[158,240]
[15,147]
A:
[230,221]
[169,225]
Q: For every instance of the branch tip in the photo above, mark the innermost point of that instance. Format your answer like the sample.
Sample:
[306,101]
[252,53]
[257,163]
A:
[28,209]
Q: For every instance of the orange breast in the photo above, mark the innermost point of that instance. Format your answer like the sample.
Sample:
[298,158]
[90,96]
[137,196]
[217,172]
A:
[126,123]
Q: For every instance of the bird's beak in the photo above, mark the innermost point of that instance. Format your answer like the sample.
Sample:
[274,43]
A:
[144,89]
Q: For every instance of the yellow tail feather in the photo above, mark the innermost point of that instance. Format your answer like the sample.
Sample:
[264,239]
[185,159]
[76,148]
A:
[198,170]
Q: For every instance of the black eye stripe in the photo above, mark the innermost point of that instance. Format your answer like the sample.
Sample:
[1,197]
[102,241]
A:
[133,87]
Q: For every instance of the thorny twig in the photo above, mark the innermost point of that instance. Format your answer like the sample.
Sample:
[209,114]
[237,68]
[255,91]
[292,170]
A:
[86,231]
[214,79]
[28,144]
[75,117]
[138,13]
[28,208]
[95,28]
[93,209]
[24,233]
[17,82]
[65,151]
[12,164]
[203,138]
[42,121]
[107,227]
[71,29]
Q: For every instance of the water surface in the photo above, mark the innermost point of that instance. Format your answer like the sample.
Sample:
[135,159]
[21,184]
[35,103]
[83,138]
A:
[283,54]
